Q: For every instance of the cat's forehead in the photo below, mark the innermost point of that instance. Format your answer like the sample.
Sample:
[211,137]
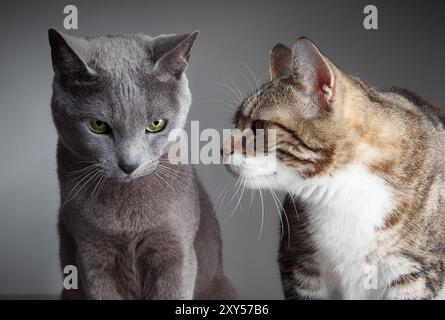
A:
[121,54]
[273,94]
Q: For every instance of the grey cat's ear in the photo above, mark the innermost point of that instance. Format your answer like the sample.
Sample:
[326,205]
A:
[315,72]
[280,61]
[172,53]
[69,54]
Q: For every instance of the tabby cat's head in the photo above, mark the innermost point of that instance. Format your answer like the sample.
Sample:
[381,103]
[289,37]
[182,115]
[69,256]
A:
[315,110]
[116,98]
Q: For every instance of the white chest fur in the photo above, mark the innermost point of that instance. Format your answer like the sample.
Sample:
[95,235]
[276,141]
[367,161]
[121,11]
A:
[344,212]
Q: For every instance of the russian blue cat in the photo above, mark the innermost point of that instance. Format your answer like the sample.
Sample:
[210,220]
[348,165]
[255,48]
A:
[135,225]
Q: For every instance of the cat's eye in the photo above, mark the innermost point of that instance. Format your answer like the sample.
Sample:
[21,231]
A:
[156,126]
[99,127]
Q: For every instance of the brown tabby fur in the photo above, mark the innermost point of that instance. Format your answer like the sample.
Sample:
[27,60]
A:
[394,134]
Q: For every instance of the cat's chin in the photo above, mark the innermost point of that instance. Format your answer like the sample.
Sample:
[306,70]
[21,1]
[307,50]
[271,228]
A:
[252,178]
[132,177]
[279,179]
[127,179]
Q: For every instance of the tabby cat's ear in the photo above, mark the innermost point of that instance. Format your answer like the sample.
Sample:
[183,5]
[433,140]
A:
[315,72]
[69,54]
[280,61]
[172,53]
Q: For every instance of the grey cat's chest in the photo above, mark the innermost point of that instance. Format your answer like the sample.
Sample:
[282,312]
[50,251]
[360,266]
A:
[130,226]
[130,256]
[129,252]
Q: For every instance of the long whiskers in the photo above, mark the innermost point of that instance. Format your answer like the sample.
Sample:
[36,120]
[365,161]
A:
[237,88]
[180,173]
[256,80]
[220,198]
[232,93]
[99,185]
[248,80]
[243,183]
[85,178]
[280,213]
[172,175]
[159,175]
[74,172]
[236,188]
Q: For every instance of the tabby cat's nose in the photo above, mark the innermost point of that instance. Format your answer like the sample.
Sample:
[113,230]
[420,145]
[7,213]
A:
[128,168]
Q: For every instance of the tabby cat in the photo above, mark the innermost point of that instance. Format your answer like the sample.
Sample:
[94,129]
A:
[364,172]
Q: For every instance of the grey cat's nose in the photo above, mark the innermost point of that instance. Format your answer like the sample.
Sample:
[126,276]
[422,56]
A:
[128,168]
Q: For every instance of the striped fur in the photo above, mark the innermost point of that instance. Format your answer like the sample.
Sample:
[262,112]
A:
[364,171]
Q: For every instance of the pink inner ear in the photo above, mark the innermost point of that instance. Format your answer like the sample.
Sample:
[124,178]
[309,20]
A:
[324,80]
[326,84]
[315,71]
[323,75]
[323,91]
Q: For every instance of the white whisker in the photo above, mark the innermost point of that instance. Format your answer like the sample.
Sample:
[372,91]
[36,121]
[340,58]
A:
[239,199]
[159,174]
[262,214]
[95,172]
[238,90]
[257,81]
[232,92]
[82,178]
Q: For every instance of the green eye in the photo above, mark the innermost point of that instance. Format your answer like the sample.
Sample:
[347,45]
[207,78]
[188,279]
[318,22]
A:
[156,125]
[99,127]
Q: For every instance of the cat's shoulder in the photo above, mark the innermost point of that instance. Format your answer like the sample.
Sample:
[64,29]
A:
[411,100]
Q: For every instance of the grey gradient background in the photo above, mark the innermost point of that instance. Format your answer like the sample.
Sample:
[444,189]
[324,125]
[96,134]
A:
[407,51]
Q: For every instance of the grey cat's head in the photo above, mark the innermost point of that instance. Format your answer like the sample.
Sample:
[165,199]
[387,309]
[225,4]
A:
[116,98]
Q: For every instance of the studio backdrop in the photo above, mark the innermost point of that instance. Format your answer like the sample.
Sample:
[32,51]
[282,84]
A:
[230,55]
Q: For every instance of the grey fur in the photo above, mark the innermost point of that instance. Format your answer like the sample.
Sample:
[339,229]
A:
[150,234]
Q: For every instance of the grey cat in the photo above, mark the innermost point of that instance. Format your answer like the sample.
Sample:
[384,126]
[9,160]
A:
[135,225]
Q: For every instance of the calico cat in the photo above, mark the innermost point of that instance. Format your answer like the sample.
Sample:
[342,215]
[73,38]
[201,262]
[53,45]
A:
[364,172]
[134,225]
